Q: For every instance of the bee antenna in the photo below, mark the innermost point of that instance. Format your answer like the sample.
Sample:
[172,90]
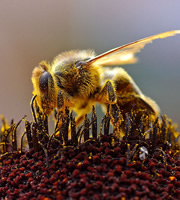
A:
[32,107]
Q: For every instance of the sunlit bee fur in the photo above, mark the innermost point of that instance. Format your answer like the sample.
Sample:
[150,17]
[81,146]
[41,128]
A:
[78,79]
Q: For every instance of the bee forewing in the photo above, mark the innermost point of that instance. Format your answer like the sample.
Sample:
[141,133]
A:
[118,58]
[126,54]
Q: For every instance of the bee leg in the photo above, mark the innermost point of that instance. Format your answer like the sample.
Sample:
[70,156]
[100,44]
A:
[60,111]
[107,93]
[60,100]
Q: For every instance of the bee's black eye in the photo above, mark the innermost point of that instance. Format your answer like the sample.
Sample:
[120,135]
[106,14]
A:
[44,80]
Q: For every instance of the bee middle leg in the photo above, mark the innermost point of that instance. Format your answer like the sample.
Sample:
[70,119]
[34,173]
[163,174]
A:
[107,94]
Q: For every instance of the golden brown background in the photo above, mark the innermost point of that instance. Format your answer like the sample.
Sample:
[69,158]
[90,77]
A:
[31,31]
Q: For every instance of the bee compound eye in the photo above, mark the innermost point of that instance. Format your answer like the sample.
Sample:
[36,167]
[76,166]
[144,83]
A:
[44,80]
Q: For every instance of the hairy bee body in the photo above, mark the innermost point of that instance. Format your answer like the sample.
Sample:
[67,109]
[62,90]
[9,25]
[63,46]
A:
[69,83]
[79,79]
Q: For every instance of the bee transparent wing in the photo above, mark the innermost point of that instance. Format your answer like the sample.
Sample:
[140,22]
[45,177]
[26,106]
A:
[126,54]
[120,58]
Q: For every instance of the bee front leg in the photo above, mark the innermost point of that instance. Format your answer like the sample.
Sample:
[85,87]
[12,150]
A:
[60,110]
[60,100]
[107,94]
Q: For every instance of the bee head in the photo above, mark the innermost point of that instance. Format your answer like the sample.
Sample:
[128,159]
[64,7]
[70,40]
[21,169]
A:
[44,87]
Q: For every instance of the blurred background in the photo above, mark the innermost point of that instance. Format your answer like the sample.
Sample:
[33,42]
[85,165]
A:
[31,31]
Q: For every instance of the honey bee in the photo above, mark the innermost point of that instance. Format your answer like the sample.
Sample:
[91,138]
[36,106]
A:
[78,79]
